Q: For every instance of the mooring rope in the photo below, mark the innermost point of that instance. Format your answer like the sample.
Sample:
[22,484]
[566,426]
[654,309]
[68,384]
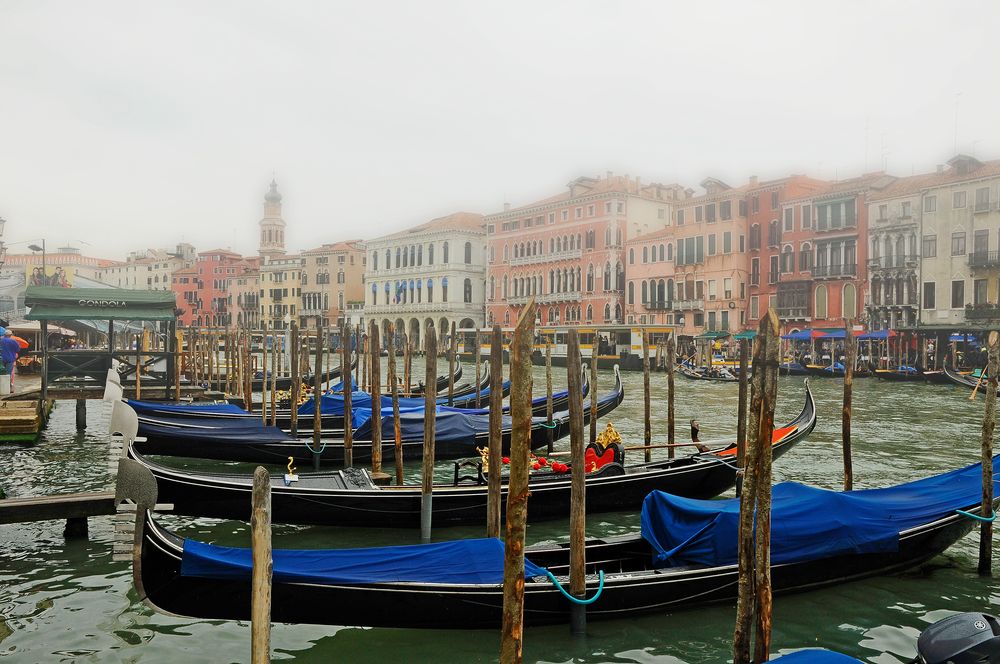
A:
[576,600]
[308,447]
[987,519]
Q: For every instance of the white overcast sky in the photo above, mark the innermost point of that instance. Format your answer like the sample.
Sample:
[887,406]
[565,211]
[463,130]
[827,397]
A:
[136,124]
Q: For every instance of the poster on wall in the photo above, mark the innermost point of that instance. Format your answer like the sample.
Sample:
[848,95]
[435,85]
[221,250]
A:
[56,276]
[12,284]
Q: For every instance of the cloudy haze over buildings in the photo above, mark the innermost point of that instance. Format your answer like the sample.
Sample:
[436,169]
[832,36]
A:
[127,125]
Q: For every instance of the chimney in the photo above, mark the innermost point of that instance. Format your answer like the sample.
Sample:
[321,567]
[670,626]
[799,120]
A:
[506,207]
[753,180]
[940,168]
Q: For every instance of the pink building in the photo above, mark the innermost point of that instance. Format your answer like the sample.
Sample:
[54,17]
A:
[568,251]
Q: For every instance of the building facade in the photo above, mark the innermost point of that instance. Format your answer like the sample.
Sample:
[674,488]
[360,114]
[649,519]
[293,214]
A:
[152,269]
[568,251]
[332,276]
[201,289]
[280,291]
[960,244]
[432,274]
[243,295]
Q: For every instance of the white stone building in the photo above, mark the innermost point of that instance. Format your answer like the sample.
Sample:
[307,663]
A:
[432,274]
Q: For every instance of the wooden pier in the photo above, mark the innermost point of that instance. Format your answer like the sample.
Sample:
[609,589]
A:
[22,420]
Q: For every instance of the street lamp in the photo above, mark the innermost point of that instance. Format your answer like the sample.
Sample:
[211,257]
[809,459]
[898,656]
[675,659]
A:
[35,247]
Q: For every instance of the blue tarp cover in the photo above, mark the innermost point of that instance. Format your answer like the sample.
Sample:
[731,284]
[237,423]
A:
[469,561]
[806,523]
[238,431]
[182,408]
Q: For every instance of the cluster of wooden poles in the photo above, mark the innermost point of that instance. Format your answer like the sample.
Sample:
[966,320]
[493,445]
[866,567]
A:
[754,434]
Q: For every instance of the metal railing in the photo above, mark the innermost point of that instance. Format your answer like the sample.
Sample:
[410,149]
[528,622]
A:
[565,254]
[885,262]
[836,270]
[984,259]
[689,305]
[794,312]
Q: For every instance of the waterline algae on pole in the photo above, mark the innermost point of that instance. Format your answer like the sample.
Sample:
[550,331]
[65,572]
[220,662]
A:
[318,394]
[647,426]
[512,630]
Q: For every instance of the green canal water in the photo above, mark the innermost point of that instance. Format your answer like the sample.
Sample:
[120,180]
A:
[70,602]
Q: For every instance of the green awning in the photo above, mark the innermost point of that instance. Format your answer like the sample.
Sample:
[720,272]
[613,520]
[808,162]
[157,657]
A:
[746,334]
[54,303]
[713,334]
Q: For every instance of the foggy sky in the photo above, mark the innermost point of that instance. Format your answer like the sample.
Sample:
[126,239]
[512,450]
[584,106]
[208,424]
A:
[128,124]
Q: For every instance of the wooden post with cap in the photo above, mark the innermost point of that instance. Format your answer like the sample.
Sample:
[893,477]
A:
[430,404]
[495,436]
[578,487]
[394,391]
[741,412]
[260,596]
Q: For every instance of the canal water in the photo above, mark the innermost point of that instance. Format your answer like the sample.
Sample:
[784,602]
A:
[70,602]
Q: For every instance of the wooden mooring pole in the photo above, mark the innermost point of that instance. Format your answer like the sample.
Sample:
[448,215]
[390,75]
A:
[375,387]
[671,358]
[274,376]
[263,379]
[479,360]
[430,403]
[394,391]
[452,357]
[989,421]
[512,630]
[260,597]
[578,486]
[296,379]
[318,410]
[754,591]
[741,412]
[345,375]
[495,440]
[548,396]
[850,359]
[593,393]
[647,429]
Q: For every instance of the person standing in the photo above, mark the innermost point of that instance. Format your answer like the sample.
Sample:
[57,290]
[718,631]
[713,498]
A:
[9,350]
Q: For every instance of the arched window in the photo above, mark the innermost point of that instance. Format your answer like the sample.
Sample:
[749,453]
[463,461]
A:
[645,255]
[506,253]
[773,233]
[492,294]
[670,251]
[505,286]
[850,301]
[618,312]
[374,261]
[607,275]
[607,312]
[631,255]
[591,240]
[559,246]
[590,313]
[552,245]
[619,277]
[590,277]
[670,293]
[618,243]
[755,237]
[820,301]
[430,290]
[420,254]
[572,245]
[413,255]
[607,243]
[399,257]
[467,291]
[444,280]
[430,253]
[663,254]
[444,254]
[661,295]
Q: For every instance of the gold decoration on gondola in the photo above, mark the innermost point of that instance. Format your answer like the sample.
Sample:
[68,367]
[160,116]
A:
[608,437]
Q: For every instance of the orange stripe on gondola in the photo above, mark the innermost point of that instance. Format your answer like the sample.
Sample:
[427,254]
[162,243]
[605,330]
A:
[777,437]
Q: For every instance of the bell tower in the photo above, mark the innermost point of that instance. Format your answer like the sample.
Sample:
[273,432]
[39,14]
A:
[272,226]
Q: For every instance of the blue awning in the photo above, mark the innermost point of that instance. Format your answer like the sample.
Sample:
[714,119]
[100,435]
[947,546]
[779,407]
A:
[876,334]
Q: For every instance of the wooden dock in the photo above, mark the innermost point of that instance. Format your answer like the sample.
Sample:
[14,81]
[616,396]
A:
[22,421]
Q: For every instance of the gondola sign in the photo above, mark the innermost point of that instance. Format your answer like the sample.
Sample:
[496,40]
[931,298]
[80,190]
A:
[101,303]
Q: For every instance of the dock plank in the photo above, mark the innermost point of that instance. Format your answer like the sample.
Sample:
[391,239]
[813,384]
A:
[61,506]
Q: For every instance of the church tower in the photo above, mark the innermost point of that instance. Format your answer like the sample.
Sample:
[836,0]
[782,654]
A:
[272,226]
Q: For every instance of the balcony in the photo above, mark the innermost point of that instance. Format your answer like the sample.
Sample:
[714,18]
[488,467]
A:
[659,305]
[565,255]
[794,313]
[984,259]
[834,271]
[689,305]
[982,312]
[891,262]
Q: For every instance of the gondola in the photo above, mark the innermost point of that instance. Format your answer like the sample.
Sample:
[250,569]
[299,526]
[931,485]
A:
[257,383]
[792,369]
[901,374]
[442,381]
[457,435]
[692,374]
[836,371]
[332,409]
[967,380]
[349,497]
[937,376]
[686,556]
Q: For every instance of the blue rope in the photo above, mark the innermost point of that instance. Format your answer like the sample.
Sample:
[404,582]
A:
[321,449]
[987,519]
[575,600]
